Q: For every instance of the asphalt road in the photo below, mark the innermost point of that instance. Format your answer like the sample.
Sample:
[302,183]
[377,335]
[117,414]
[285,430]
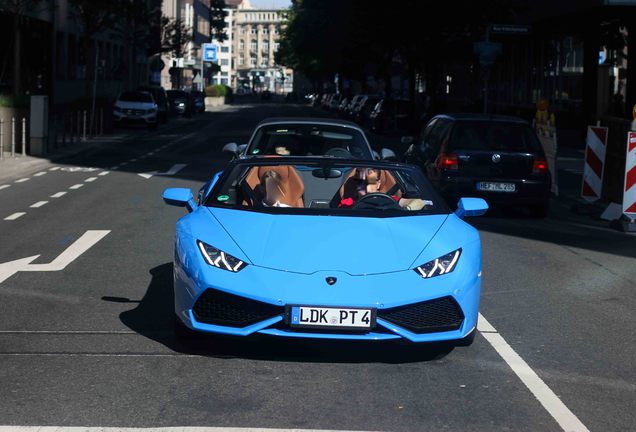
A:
[86,332]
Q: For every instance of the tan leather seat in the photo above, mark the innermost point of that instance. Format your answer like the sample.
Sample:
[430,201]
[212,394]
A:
[291,183]
[349,188]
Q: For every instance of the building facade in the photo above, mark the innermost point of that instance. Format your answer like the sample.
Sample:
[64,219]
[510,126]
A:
[255,34]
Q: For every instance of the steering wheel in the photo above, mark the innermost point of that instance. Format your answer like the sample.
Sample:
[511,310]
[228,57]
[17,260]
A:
[339,152]
[376,201]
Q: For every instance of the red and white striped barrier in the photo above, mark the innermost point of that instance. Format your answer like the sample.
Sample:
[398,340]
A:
[629,192]
[596,145]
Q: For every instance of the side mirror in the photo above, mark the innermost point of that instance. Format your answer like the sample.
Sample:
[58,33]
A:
[471,207]
[241,148]
[376,156]
[388,154]
[180,197]
[406,140]
[230,148]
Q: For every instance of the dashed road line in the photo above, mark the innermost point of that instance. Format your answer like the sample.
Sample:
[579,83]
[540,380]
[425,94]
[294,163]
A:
[41,173]
[103,173]
[58,195]
[14,216]
[38,204]
[90,179]
[54,168]
[77,186]
[123,163]
[22,180]
[544,394]
[132,160]
[4,186]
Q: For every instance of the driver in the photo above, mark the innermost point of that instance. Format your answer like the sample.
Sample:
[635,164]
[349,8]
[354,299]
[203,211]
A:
[364,181]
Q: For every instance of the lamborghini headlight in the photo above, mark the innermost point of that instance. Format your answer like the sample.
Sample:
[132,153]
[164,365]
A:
[439,266]
[219,259]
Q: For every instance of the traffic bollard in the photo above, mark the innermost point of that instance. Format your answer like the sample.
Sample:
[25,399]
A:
[1,139]
[12,137]
[23,136]
[84,134]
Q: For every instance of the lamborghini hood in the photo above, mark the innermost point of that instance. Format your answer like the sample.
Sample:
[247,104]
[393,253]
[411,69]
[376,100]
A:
[306,244]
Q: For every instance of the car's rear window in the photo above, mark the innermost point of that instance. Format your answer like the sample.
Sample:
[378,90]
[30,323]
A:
[136,96]
[477,135]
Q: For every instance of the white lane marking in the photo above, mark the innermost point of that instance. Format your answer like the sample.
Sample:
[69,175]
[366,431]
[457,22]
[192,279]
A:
[54,169]
[90,179]
[70,254]
[158,429]
[14,216]
[550,401]
[22,180]
[172,171]
[103,173]
[113,168]
[58,195]
[38,204]
[41,173]
[77,186]
[4,186]
[123,163]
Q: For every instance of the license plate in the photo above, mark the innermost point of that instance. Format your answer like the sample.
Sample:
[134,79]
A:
[331,317]
[496,187]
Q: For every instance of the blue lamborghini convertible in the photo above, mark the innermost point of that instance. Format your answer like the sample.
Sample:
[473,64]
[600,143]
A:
[318,247]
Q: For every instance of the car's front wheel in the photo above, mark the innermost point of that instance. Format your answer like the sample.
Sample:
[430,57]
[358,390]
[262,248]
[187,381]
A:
[468,339]
[182,332]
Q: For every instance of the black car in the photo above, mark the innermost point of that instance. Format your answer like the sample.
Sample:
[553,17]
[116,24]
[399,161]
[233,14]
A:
[199,100]
[497,158]
[161,99]
[181,103]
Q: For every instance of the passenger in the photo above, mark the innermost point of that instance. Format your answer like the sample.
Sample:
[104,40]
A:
[273,190]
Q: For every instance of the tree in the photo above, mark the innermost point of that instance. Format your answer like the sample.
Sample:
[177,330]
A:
[93,17]
[217,20]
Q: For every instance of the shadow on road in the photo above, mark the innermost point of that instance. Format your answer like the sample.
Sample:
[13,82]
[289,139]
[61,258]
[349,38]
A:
[153,318]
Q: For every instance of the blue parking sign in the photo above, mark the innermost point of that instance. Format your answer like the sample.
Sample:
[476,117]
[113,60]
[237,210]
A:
[209,52]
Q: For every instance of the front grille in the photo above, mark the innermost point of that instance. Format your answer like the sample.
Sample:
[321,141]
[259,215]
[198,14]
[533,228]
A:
[220,308]
[442,314]
[135,112]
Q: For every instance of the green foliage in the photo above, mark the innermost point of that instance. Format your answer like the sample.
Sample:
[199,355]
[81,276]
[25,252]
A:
[10,101]
[215,90]
[217,20]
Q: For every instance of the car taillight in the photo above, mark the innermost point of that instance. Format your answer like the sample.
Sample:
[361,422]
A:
[540,166]
[448,162]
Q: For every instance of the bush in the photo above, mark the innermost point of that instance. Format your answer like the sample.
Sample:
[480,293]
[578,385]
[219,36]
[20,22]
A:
[215,90]
[10,101]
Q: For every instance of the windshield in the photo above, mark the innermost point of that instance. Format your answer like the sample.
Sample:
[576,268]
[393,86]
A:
[476,135]
[326,187]
[174,94]
[137,96]
[309,140]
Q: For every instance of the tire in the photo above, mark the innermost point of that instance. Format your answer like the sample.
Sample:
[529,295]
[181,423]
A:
[468,339]
[183,333]
[540,210]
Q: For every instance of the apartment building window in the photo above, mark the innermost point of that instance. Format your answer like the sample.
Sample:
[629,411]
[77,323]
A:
[276,45]
[241,61]
[241,30]
[225,49]
[265,46]
[265,30]
[253,45]
[254,30]
[225,62]
[253,61]
[241,44]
